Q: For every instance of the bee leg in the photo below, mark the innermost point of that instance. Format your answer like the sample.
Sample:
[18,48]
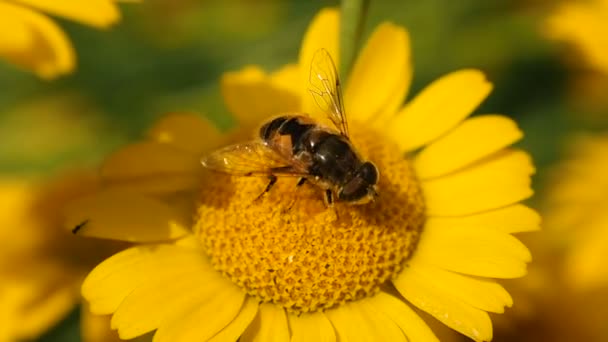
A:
[272,181]
[329,202]
[329,198]
[301,182]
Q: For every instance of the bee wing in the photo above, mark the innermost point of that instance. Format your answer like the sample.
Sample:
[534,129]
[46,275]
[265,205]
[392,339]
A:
[254,158]
[326,89]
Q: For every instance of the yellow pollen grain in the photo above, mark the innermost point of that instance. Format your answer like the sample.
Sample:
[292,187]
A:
[309,257]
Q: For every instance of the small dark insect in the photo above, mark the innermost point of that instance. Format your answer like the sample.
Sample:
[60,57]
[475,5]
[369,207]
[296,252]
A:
[298,146]
[78,227]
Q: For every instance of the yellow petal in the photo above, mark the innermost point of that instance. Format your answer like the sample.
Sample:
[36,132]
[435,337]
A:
[579,23]
[115,278]
[269,325]
[31,305]
[473,140]
[99,13]
[188,132]
[17,197]
[410,323]
[20,38]
[357,322]
[475,251]
[252,97]
[188,241]
[310,327]
[121,215]
[484,294]
[171,288]
[37,43]
[439,108]
[202,319]
[57,305]
[378,72]
[585,268]
[454,313]
[236,328]
[159,185]
[382,119]
[153,168]
[512,219]
[287,78]
[149,160]
[495,182]
[321,33]
[96,328]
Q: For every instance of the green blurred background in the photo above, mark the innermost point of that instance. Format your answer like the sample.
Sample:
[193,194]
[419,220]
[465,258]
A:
[168,55]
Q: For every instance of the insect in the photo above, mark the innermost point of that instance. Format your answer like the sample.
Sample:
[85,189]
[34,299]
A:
[79,226]
[298,146]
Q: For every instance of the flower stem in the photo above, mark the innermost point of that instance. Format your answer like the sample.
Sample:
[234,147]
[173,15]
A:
[352,21]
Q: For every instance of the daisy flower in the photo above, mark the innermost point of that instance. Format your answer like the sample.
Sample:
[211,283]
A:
[42,267]
[213,264]
[32,41]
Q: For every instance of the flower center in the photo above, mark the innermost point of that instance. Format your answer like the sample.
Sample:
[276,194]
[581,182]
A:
[290,249]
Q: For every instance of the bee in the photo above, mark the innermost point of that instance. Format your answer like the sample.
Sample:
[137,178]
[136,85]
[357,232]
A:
[296,145]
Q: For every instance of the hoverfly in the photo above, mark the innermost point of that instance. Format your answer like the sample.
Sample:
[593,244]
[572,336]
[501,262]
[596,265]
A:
[298,146]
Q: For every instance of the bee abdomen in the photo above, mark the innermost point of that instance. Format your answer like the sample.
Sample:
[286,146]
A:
[296,129]
[287,133]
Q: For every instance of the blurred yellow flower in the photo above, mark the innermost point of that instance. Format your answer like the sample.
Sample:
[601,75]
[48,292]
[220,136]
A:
[42,266]
[439,233]
[32,41]
[584,24]
[576,213]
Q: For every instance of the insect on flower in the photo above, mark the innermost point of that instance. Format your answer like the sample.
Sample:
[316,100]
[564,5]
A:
[296,145]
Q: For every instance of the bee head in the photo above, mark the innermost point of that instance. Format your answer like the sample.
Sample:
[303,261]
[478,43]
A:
[362,187]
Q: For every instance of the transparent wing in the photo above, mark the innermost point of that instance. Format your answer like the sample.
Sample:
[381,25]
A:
[253,158]
[326,90]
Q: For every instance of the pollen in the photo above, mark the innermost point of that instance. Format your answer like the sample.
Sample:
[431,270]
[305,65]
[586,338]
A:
[289,248]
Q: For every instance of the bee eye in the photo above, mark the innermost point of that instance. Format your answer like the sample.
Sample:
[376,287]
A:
[368,172]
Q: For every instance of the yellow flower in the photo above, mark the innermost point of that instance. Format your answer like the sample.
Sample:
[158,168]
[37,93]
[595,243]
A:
[576,213]
[34,42]
[436,237]
[583,24]
[42,267]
